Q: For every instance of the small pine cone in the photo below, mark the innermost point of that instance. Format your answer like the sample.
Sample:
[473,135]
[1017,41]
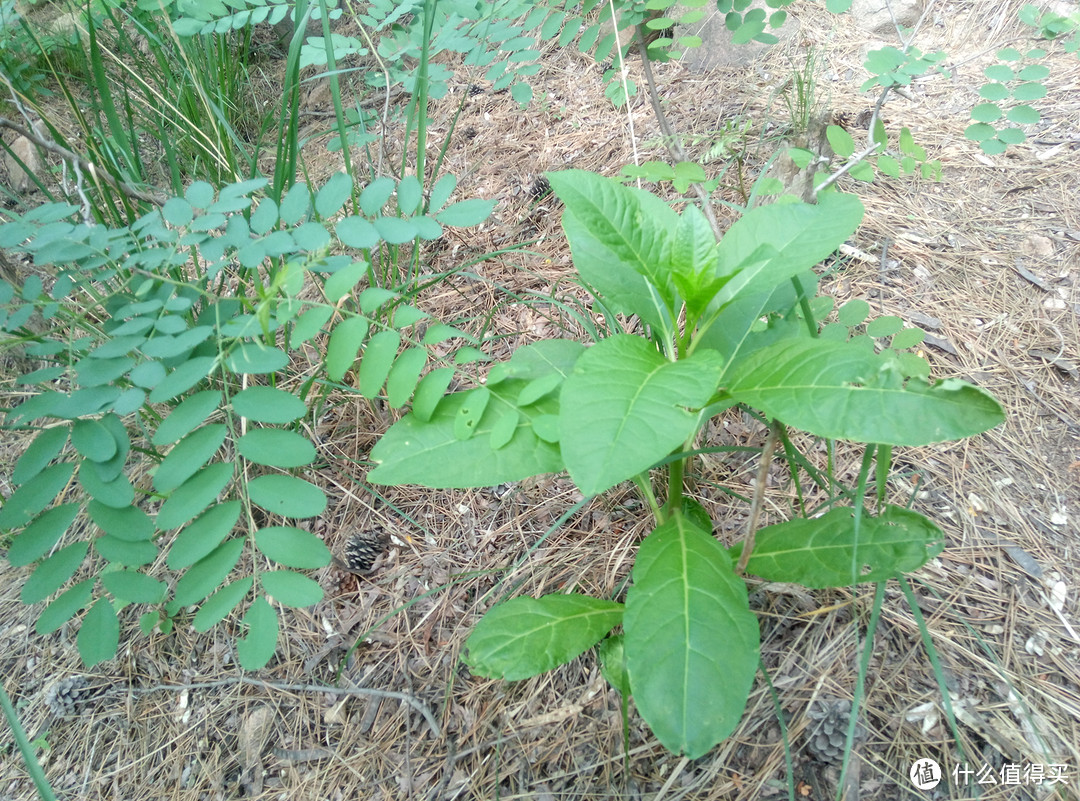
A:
[827,731]
[68,696]
[362,549]
[540,188]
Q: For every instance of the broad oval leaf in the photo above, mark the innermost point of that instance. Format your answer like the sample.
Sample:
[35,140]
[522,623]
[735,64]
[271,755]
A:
[292,547]
[38,538]
[466,213]
[840,390]
[276,447]
[92,439]
[45,447]
[203,534]
[214,609]
[125,552]
[194,495]
[268,405]
[375,365]
[99,634]
[287,496]
[691,641]
[206,575]
[291,588]
[828,551]
[189,414]
[257,647]
[130,523]
[66,605]
[33,496]
[117,493]
[625,407]
[528,636]
[50,575]
[343,346]
[188,456]
[256,358]
[134,587]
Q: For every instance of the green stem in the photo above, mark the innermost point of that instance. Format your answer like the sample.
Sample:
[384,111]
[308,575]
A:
[642,481]
[27,750]
[804,304]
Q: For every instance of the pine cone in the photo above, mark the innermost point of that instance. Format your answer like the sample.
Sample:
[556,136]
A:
[68,696]
[362,549]
[827,731]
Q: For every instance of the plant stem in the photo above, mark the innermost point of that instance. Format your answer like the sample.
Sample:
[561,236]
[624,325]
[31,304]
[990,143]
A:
[759,496]
[27,751]
[642,482]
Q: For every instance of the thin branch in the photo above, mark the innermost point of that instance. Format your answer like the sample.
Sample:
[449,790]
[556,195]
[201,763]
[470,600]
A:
[759,495]
[672,141]
[83,165]
[305,688]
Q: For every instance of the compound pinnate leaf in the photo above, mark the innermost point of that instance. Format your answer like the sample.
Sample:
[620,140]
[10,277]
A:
[841,390]
[188,456]
[194,495]
[203,534]
[292,547]
[268,405]
[528,636]
[625,407]
[66,605]
[829,551]
[134,587]
[290,588]
[691,641]
[275,447]
[38,538]
[51,574]
[99,634]
[287,496]
[33,496]
[257,647]
[214,609]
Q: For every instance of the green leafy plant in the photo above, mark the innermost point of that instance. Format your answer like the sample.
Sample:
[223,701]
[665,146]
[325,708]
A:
[167,419]
[721,323]
[1014,82]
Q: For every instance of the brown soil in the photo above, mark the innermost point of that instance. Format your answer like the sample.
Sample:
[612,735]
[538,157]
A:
[985,260]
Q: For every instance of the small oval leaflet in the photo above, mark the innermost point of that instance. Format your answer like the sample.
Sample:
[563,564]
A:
[292,547]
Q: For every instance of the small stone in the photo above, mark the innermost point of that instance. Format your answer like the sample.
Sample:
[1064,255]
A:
[21,177]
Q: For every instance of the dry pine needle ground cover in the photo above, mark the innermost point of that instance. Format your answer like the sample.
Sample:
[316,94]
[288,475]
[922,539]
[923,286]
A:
[985,261]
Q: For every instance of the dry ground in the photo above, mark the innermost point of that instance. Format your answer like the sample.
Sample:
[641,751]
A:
[986,260]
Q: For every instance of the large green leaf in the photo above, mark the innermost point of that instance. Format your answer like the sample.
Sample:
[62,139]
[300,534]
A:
[287,496]
[625,407]
[800,234]
[188,456]
[528,636]
[828,551]
[33,496]
[619,238]
[292,547]
[432,454]
[691,641]
[841,390]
